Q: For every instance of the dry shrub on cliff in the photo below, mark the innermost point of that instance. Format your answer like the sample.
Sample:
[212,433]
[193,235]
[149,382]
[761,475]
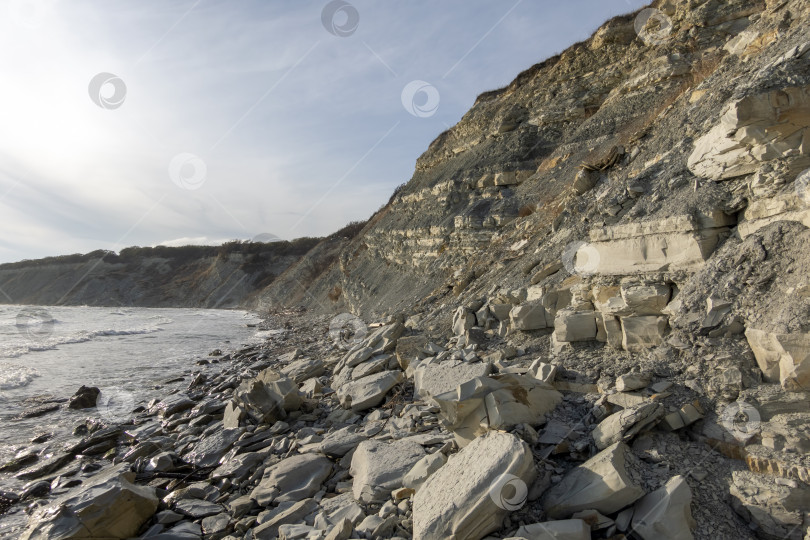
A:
[335,293]
[526,210]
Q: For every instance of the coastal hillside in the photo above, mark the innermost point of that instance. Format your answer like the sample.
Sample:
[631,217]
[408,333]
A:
[190,276]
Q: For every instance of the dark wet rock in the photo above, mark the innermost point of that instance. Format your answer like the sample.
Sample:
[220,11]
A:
[208,451]
[84,398]
[35,490]
[18,462]
[39,410]
[110,506]
[197,508]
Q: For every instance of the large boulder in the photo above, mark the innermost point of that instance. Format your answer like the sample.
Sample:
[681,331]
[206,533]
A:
[463,320]
[782,357]
[497,402]
[665,514]
[432,378]
[643,332]
[470,495]
[572,325]
[303,369]
[607,483]
[378,467]
[293,479]
[528,316]
[645,299]
[625,424]
[369,391]
[109,506]
[268,397]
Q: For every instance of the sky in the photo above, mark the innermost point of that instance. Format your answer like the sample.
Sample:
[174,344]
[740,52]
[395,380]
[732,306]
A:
[201,121]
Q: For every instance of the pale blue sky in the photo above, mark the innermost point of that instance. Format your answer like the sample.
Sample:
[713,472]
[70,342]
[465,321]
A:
[297,131]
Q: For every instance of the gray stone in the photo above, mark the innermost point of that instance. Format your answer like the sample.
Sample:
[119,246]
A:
[643,332]
[369,391]
[665,514]
[110,505]
[625,424]
[470,495]
[463,320]
[632,381]
[570,326]
[294,513]
[197,508]
[604,483]
[379,467]
[432,377]
[304,369]
[528,316]
[423,469]
[338,443]
[208,451]
[567,529]
[293,479]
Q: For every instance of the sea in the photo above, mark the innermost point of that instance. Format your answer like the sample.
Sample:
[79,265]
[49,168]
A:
[128,353]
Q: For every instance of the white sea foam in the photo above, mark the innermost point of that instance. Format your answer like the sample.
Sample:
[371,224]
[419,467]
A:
[15,376]
[18,349]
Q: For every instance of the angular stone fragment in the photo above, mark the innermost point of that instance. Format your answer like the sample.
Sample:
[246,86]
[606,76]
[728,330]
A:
[782,357]
[303,369]
[410,349]
[605,483]
[423,469]
[645,299]
[432,378]
[379,467]
[625,424]
[293,479]
[572,325]
[566,529]
[498,402]
[295,513]
[470,495]
[632,381]
[528,316]
[463,320]
[665,514]
[109,506]
[208,451]
[369,391]
[643,332]
[338,443]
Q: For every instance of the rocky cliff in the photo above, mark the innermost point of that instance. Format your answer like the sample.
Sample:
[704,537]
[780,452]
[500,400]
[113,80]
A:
[192,276]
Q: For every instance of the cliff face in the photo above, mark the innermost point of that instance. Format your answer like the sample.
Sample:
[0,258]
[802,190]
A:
[221,277]
[650,145]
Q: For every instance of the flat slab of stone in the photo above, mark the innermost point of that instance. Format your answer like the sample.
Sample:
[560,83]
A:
[665,514]
[434,378]
[643,332]
[110,506]
[208,451]
[566,529]
[470,495]
[604,483]
[379,467]
[369,391]
[293,479]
